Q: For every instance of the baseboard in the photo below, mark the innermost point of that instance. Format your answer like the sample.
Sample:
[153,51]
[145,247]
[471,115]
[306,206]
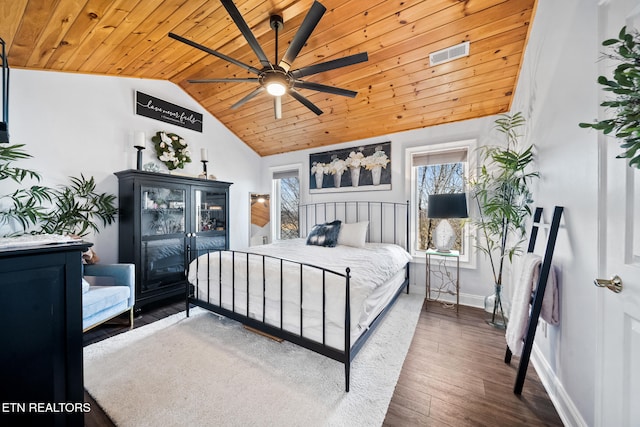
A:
[567,410]
[470,300]
[465,299]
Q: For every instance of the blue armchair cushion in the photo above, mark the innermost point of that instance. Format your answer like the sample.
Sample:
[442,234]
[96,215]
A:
[100,298]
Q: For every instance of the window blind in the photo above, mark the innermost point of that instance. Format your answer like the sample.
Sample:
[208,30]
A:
[285,174]
[457,155]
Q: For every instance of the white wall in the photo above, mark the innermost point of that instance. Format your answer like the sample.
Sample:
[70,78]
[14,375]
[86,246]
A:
[557,90]
[76,123]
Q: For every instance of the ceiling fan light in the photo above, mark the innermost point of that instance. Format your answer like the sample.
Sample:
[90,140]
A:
[275,82]
[276,88]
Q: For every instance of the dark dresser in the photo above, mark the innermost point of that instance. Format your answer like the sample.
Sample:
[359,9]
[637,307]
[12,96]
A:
[41,378]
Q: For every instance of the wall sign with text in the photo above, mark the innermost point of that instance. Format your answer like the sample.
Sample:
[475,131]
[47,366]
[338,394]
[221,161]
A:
[149,106]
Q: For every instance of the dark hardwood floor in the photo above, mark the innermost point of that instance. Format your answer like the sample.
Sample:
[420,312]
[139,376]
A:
[454,374]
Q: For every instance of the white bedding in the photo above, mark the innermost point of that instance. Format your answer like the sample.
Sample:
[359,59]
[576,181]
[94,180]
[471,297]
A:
[376,272]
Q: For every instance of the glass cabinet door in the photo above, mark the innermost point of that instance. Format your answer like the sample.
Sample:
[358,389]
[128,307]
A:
[210,219]
[162,232]
[162,211]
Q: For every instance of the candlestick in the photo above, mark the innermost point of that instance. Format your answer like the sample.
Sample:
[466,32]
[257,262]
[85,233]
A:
[139,160]
[139,144]
[204,155]
[139,140]
[204,167]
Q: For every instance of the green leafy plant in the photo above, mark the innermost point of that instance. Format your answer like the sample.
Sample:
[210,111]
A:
[69,209]
[76,208]
[24,205]
[501,192]
[625,124]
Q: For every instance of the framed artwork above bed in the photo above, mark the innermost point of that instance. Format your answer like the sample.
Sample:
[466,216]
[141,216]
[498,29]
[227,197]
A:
[362,168]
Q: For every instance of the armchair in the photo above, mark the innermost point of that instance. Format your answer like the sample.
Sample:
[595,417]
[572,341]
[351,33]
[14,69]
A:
[110,293]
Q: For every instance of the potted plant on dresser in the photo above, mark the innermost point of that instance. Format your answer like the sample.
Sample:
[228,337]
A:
[503,197]
[71,209]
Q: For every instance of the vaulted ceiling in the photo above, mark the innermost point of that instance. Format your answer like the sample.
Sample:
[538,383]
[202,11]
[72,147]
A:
[397,88]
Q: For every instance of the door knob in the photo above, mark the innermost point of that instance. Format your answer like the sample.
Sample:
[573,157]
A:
[614,284]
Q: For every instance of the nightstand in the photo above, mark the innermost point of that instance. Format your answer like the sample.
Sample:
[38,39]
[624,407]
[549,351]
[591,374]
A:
[440,268]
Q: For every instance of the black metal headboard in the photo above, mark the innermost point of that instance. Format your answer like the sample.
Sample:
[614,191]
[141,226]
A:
[388,221]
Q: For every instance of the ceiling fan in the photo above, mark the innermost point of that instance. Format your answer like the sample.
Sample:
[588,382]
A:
[279,80]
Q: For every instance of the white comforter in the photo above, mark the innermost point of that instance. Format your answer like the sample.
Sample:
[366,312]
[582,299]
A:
[370,268]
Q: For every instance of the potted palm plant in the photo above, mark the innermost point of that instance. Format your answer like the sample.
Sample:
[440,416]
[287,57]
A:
[72,209]
[502,195]
[78,208]
[24,205]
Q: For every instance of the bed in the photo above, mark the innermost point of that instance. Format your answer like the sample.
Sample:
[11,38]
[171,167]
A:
[326,291]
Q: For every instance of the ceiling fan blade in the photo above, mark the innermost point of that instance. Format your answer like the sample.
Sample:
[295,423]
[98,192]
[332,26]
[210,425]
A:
[308,25]
[246,31]
[239,80]
[325,88]
[277,106]
[247,98]
[330,65]
[214,53]
[310,105]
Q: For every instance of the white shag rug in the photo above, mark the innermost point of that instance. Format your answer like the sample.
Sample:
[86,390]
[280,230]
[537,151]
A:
[209,371]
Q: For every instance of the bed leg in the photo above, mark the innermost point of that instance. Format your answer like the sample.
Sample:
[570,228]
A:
[186,296]
[406,276]
[347,366]
[507,356]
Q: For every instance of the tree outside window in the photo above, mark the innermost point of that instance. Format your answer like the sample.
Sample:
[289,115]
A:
[440,178]
[289,201]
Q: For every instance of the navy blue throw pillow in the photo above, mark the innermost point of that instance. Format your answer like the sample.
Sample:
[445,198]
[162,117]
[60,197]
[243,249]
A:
[324,234]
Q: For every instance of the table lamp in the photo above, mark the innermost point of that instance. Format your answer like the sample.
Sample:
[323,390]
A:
[443,207]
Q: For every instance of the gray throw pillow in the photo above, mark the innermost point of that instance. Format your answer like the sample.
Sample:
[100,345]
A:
[324,234]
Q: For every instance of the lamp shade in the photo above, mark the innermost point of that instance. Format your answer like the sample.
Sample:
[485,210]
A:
[447,206]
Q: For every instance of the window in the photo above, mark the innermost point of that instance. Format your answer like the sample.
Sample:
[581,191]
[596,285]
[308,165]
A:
[438,169]
[286,188]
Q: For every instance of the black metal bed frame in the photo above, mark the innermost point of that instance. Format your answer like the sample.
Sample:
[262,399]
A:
[328,211]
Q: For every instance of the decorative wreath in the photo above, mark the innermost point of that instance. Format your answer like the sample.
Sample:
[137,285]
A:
[171,150]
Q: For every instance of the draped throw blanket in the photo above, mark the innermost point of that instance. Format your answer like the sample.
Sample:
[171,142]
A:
[524,287]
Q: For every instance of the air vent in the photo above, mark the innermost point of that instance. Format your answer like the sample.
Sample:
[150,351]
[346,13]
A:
[449,54]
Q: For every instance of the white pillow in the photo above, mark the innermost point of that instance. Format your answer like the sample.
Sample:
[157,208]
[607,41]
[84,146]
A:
[85,286]
[353,234]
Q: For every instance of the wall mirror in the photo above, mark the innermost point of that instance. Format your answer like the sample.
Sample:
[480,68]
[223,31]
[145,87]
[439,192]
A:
[260,232]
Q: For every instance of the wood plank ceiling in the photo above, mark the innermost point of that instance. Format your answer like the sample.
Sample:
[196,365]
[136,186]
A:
[397,88]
